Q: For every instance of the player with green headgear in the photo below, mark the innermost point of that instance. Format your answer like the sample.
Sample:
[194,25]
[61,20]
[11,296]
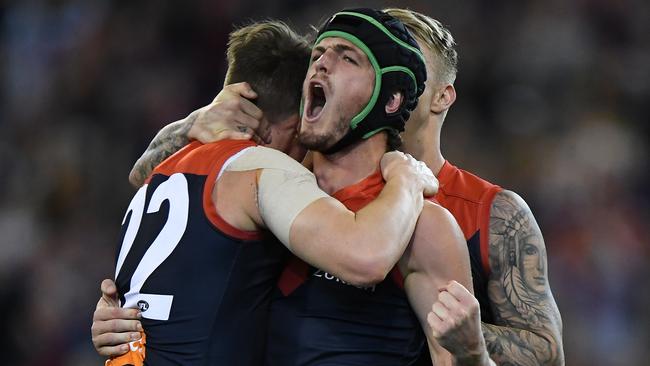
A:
[365,76]
[398,66]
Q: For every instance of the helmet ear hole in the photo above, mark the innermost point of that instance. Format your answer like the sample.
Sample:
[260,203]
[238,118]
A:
[395,102]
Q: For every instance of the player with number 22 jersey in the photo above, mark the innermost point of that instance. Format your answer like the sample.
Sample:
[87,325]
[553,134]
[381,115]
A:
[189,271]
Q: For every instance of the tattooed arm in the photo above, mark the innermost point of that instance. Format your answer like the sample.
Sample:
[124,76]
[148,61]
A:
[231,115]
[529,326]
[169,139]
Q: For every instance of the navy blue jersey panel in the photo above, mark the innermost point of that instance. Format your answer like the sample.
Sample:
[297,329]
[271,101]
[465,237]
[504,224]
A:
[479,277]
[220,286]
[327,322]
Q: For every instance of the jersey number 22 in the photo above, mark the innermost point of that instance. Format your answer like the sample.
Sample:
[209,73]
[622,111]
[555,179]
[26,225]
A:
[174,189]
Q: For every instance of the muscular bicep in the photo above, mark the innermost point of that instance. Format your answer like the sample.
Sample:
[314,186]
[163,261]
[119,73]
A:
[438,248]
[318,236]
[358,247]
[518,286]
[422,292]
[305,219]
[437,254]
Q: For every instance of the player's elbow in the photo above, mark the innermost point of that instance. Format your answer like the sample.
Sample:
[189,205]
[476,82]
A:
[135,178]
[363,277]
[555,354]
[365,269]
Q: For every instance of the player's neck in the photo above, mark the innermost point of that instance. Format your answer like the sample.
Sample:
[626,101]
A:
[349,166]
[424,144]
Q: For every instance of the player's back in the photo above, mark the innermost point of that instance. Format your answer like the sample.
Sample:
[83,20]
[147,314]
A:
[203,286]
[317,319]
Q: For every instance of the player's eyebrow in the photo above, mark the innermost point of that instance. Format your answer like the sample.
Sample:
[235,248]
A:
[338,48]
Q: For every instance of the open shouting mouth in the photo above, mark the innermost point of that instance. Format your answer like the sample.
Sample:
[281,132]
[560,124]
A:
[316,100]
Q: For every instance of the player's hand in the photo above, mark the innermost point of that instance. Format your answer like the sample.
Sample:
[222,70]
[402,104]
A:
[395,163]
[231,115]
[455,322]
[113,327]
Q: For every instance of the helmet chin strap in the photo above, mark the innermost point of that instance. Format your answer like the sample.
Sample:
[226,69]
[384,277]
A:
[393,121]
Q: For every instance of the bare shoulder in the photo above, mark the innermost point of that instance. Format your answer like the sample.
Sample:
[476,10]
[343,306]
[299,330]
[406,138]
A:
[435,212]
[436,222]
[260,157]
[513,231]
[234,196]
[437,238]
[505,202]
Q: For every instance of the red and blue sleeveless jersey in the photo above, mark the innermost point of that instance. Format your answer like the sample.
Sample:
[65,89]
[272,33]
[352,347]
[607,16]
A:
[203,286]
[318,319]
[469,199]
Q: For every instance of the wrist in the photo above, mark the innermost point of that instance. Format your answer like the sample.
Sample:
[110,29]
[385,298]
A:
[480,358]
[409,187]
[403,176]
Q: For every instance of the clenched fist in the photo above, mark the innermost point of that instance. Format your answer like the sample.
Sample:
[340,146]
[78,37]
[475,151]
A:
[455,322]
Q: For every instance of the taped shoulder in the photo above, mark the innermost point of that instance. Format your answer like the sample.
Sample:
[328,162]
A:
[284,188]
[260,157]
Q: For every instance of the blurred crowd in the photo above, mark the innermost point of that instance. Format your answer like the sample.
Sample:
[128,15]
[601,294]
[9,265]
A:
[552,103]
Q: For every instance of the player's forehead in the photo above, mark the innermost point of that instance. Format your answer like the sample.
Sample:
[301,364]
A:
[338,44]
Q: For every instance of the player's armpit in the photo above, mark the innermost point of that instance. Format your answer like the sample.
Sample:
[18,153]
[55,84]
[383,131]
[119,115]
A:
[529,330]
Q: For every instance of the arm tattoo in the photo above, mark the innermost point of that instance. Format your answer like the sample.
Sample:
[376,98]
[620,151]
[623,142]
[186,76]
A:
[529,327]
[169,139]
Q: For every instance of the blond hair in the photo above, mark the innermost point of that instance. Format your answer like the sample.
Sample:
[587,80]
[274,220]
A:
[435,36]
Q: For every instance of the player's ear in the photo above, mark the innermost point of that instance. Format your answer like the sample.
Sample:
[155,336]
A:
[443,98]
[394,102]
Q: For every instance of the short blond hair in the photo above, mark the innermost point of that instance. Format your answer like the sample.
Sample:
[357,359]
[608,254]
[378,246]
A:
[436,37]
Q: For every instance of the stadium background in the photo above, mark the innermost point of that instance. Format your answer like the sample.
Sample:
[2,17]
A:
[552,103]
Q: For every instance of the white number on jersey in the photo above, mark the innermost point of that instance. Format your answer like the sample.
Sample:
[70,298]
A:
[174,190]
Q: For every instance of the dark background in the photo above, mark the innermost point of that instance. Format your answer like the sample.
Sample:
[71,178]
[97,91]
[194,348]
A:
[552,103]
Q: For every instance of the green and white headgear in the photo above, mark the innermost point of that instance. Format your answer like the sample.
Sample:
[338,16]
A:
[398,63]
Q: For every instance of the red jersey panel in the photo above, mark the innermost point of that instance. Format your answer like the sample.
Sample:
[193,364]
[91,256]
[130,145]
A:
[469,199]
